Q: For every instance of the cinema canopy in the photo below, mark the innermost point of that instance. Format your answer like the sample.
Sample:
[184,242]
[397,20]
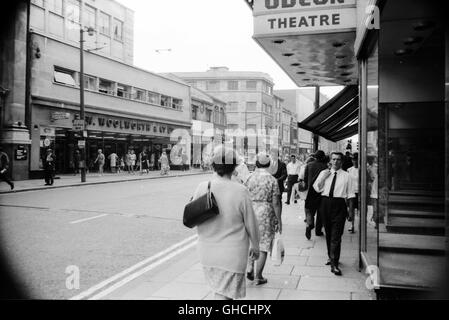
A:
[311,40]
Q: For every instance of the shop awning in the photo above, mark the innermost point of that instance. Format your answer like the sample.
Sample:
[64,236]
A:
[337,119]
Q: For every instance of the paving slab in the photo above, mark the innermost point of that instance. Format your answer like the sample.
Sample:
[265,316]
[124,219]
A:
[314,295]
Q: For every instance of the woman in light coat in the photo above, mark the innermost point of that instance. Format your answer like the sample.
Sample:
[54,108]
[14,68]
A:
[224,240]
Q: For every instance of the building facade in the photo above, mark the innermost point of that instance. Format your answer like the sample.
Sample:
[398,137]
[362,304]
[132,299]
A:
[392,58]
[113,24]
[126,108]
[249,99]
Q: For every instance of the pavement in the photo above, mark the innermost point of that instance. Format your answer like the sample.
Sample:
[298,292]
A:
[302,275]
[70,180]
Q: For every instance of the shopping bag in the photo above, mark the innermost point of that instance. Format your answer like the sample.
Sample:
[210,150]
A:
[277,250]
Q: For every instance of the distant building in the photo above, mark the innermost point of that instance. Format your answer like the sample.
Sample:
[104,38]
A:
[249,98]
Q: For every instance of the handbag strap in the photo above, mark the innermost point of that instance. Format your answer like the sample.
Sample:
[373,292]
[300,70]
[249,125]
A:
[209,197]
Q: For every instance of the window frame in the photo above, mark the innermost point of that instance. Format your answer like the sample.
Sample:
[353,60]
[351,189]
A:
[65,72]
[111,87]
[120,23]
[101,15]
[249,87]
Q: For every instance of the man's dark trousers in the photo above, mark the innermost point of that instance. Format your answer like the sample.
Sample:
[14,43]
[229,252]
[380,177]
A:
[334,213]
[5,178]
[291,180]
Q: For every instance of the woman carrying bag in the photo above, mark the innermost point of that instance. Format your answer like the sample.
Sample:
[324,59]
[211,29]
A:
[224,240]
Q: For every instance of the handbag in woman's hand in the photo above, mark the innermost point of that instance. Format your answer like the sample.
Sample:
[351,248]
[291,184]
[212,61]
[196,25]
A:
[200,210]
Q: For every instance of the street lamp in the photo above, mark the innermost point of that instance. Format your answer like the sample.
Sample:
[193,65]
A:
[90,31]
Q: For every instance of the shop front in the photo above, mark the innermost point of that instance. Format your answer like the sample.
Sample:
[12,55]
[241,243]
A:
[111,133]
[392,58]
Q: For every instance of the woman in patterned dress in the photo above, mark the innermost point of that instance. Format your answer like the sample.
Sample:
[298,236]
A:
[224,240]
[264,191]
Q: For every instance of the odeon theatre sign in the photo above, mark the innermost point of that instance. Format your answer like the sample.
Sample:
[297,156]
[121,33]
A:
[305,37]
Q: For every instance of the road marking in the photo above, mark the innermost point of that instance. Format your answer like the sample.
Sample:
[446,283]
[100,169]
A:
[87,219]
[131,269]
[141,272]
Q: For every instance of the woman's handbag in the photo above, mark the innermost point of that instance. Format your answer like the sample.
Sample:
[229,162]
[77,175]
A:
[200,210]
[277,251]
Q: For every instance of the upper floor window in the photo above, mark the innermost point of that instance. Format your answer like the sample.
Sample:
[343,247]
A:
[264,107]
[90,82]
[233,85]
[251,106]
[165,101]
[104,23]
[267,88]
[89,16]
[73,11]
[138,94]
[194,112]
[222,117]
[213,85]
[64,76]
[216,116]
[54,6]
[233,106]
[123,91]
[154,98]
[251,85]
[118,29]
[177,104]
[39,3]
[208,115]
[105,86]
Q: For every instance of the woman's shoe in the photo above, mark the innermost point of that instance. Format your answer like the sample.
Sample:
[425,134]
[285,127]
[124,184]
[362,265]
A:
[250,275]
[261,281]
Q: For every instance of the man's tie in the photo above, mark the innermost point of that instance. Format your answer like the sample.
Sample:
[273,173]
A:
[331,191]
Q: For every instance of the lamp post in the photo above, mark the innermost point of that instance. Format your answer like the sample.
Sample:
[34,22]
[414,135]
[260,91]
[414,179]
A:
[90,32]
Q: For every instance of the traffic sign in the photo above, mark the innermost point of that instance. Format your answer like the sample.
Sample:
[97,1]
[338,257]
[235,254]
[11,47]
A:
[81,143]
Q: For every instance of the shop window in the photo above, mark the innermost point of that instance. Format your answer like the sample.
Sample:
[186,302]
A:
[177,104]
[64,76]
[90,83]
[251,85]
[104,23]
[153,98]
[105,86]
[213,85]
[118,29]
[138,94]
[123,91]
[233,85]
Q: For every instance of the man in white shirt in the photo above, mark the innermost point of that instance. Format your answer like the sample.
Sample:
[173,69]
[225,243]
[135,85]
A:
[335,186]
[293,168]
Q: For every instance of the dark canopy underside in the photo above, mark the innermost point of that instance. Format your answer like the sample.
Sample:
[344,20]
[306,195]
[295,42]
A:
[337,119]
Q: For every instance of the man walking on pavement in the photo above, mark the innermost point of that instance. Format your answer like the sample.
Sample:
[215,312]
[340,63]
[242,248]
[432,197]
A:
[292,176]
[313,199]
[335,186]
[4,166]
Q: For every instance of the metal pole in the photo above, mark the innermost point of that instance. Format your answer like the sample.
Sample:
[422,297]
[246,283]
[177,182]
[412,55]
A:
[317,106]
[82,116]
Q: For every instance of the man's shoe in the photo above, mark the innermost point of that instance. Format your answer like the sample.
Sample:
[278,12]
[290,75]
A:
[250,275]
[12,186]
[296,201]
[261,281]
[319,234]
[328,263]
[287,203]
[308,233]
[336,271]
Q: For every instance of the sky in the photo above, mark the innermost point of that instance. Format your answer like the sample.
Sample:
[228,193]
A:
[194,35]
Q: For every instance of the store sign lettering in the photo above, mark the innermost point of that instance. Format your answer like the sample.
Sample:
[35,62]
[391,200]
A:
[295,17]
